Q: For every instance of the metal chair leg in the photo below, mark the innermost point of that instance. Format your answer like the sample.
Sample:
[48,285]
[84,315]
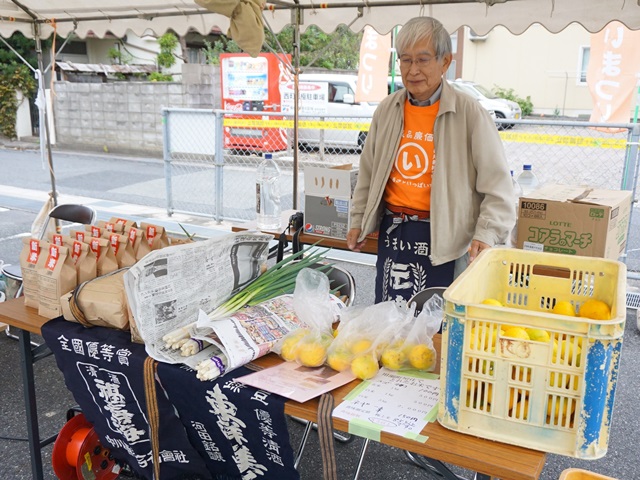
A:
[434,467]
[7,331]
[363,450]
[303,443]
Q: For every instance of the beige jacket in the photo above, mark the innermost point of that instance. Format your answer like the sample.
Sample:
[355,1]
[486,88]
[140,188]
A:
[471,193]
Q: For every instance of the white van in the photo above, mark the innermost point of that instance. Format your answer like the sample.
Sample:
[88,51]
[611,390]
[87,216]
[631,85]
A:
[341,108]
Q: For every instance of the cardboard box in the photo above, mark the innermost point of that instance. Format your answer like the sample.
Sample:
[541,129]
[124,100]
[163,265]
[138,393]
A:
[574,221]
[327,200]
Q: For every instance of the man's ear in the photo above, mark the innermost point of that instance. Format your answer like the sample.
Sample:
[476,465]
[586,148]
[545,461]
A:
[446,61]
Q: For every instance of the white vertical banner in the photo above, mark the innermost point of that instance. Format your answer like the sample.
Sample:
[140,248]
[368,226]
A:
[373,66]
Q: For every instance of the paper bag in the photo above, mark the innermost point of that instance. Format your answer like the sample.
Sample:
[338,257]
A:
[110,227]
[122,249]
[82,257]
[155,236]
[95,230]
[31,251]
[136,240]
[126,223]
[80,235]
[56,276]
[99,302]
[105,259]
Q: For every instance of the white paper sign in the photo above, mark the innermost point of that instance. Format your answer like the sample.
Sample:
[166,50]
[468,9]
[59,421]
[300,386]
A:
[396,402]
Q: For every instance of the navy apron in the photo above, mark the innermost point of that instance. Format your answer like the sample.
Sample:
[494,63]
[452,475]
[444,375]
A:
[403,267]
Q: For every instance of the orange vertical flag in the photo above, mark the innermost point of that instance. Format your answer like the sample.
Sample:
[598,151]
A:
[614,66]
[374,66]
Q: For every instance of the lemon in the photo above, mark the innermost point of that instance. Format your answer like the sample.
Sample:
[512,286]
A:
[360,346]
[476,335]
[538,334]
[517,332]
[492,301]
[393,358]
[422,357]
[311,354]
[289,349]
[564,308]
[521,410]
[558,408]
[364,367]
[339,360]
[595,309]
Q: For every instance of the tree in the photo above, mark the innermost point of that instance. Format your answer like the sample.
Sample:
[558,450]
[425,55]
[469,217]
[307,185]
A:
[14,75]
[166,58]
[338,50]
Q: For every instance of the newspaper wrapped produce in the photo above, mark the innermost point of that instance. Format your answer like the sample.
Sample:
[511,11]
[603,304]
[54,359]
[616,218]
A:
[168,287]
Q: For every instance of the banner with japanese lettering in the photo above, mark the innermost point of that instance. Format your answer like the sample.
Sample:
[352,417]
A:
[612,75]
[373,67]
[239,431]
[104,371]
[223,428]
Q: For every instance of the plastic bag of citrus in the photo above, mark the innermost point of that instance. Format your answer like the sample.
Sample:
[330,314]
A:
[362,336]
[412,346]
[316,308]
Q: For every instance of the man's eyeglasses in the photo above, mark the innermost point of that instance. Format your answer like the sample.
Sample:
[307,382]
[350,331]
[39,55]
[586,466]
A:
[420,62]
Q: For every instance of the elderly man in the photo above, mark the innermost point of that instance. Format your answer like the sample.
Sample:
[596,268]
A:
[433,179]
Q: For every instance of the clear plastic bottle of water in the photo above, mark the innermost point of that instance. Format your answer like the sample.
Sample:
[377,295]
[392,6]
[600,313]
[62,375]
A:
[527,180]
[268,194]
[517,189]
[517,192]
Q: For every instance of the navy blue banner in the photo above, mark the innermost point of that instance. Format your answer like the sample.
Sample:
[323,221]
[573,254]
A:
[241,432]
[223,429]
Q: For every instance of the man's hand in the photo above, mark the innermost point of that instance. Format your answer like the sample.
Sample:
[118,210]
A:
[352,240]
[475,248]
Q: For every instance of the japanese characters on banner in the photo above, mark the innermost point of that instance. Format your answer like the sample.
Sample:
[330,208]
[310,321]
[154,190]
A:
[215,429]
[373,66]
[612,76]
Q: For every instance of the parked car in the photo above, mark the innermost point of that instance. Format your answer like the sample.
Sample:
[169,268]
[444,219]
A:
[342,107]
[504,109]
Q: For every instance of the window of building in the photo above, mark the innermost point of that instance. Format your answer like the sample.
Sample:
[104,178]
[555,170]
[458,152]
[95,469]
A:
[583,64]
[451,71]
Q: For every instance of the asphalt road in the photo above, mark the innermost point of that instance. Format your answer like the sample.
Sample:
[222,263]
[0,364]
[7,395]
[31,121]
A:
[94,179]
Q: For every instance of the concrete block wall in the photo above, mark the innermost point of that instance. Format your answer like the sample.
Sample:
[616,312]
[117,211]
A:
[123,117]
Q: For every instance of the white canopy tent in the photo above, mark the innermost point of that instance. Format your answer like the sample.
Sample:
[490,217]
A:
[97,17]
[39,19]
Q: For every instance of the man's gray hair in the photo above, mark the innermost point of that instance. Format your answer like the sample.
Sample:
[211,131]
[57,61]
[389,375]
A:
[420,29]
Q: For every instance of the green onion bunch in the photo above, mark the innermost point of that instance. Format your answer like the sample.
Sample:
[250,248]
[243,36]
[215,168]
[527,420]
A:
[280,279]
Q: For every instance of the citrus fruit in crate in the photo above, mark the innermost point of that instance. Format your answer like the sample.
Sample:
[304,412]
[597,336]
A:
[538,335]
[595,309]
[516,332]
[557,411]
[422,357]
[564,308]
[477,342]
[393,358]
[365,366]
[492,301]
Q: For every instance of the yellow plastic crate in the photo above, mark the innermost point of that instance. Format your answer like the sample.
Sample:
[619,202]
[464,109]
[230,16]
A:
[556,395]
[578,474]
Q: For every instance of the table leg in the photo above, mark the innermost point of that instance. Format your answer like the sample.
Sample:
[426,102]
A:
[29,356]
[31,410]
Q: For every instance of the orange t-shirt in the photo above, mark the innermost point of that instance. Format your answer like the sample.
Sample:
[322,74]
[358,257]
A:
[409,184]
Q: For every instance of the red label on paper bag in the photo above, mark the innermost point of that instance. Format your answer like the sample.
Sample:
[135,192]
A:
[52,259]
[34,251]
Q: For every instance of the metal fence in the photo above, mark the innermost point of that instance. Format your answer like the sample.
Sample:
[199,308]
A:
[211,157]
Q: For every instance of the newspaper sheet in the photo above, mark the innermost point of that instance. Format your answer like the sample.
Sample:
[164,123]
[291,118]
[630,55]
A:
[168,287]
[251,332]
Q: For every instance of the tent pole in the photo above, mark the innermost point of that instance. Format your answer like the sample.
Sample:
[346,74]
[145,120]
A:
[296,92]
[54,194]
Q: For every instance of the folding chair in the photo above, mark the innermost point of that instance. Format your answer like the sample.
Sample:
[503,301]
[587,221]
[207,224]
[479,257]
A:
[69,212]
